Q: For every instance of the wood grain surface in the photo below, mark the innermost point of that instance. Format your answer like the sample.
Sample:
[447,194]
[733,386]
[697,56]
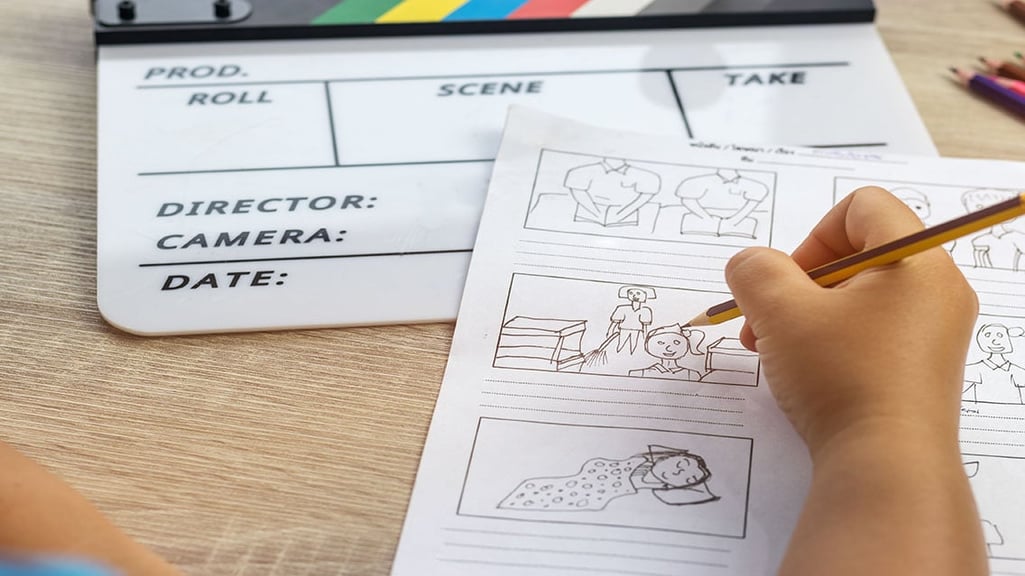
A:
[269,453]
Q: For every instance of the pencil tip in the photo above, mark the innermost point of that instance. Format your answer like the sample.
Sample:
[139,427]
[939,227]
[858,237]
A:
[952,69]
[687,325]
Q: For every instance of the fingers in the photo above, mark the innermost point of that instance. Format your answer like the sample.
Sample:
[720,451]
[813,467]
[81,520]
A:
[766,284]
[867,217]
[747,338]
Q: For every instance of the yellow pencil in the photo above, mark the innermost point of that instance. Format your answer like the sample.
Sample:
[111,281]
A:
[842,269]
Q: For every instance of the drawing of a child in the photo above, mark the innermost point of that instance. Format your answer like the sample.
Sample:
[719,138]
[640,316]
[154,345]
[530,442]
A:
[995,379]
[669,344]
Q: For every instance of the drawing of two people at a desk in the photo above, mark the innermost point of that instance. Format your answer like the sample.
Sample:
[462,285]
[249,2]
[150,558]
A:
[674,476]
[999,247]
[613,193]
[1002,245]
[995,379]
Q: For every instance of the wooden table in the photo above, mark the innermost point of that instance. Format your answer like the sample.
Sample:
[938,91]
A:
[272,453]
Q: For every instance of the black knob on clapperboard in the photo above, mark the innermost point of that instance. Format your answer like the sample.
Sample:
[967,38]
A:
[222,8]
[126,10]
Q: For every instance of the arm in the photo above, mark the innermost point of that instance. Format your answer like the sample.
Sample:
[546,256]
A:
[613,328]
[647,185]
[755,194]
[645,318]
[584,200]
[972,378]
[743,212]
[870,374]
[633,206]
[616,321]
[578,182]
[41,515]
[692,205]
[689,192]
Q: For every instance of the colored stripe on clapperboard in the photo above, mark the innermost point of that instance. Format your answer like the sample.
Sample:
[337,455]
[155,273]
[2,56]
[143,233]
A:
[396,11]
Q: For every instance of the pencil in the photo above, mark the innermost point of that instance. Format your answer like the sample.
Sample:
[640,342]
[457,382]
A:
[1016,86]
[844,268]
[1015,8]
[991,90]
[1004,68]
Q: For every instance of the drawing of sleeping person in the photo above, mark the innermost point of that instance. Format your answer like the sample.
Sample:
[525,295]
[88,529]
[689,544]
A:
[669,344]
[674,476]
[630,321]
[721,204]
[995,379]
[611,192]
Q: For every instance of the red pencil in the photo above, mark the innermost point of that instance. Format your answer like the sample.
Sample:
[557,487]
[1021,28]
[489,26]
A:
[991,90]
[1004,68]
[1015,8]
[1012,85]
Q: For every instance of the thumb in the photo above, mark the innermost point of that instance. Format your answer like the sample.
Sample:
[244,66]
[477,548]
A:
[767,284]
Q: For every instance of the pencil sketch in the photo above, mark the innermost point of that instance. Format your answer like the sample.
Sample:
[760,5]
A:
[669,344]
[721,204]
[992,535]
[990,531]
[916,200]
[610,192]
[606,475]
[971,468]
[650,200]
[999,247]
[629,322]
[540,343]
[604,328]
[727,361]
[674,476]
[995,378]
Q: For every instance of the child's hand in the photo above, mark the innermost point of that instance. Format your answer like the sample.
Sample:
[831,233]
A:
[885,347]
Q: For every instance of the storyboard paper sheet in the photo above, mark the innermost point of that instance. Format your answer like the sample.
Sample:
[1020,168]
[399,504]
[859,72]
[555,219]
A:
[581,430]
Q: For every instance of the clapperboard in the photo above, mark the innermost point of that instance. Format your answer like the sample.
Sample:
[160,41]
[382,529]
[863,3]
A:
[271,165]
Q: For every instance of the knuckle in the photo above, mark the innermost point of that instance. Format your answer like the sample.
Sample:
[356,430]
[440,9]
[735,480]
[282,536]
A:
[739,265]
[871,191]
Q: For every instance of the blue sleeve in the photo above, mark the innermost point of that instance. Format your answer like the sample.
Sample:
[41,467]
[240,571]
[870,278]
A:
[51,567]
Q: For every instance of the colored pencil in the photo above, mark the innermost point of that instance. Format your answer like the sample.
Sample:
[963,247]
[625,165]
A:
[1013,85]
[844,268]
[1004,68]
[1015,8]
[991,90]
